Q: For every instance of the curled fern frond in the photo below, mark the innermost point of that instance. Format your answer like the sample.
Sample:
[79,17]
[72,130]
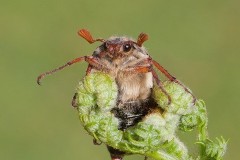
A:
[155,135]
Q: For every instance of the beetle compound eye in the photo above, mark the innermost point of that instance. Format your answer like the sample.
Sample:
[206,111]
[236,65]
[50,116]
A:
[127,47]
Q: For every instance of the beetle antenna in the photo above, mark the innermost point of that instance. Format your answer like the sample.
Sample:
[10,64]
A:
[79,59]
[142,38]
[88,37]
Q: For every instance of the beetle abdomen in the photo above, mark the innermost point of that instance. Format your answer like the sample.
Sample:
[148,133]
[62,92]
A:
[130,113]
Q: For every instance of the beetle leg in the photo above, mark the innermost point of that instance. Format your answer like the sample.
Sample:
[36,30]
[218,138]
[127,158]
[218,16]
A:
[74,100]
[160,85]
[79,59]
[95,142]
[138,69]
[172,78]
[89,68]
[115,154]
[163,70]
[94,62]
[116,158]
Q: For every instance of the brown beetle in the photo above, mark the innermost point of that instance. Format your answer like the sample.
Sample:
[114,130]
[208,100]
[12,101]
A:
[133,69]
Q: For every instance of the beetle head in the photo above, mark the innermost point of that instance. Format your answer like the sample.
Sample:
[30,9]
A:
[115,47]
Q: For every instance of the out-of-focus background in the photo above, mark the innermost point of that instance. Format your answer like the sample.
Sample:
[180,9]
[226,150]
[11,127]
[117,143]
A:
[197,41]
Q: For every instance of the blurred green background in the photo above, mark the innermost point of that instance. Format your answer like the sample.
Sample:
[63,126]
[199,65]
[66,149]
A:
[197,41]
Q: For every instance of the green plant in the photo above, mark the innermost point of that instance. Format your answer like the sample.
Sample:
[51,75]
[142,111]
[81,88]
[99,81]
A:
[155,136]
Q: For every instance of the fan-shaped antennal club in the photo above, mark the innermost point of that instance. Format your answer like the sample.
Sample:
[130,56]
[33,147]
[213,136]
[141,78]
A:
[88,37]
[141,39]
